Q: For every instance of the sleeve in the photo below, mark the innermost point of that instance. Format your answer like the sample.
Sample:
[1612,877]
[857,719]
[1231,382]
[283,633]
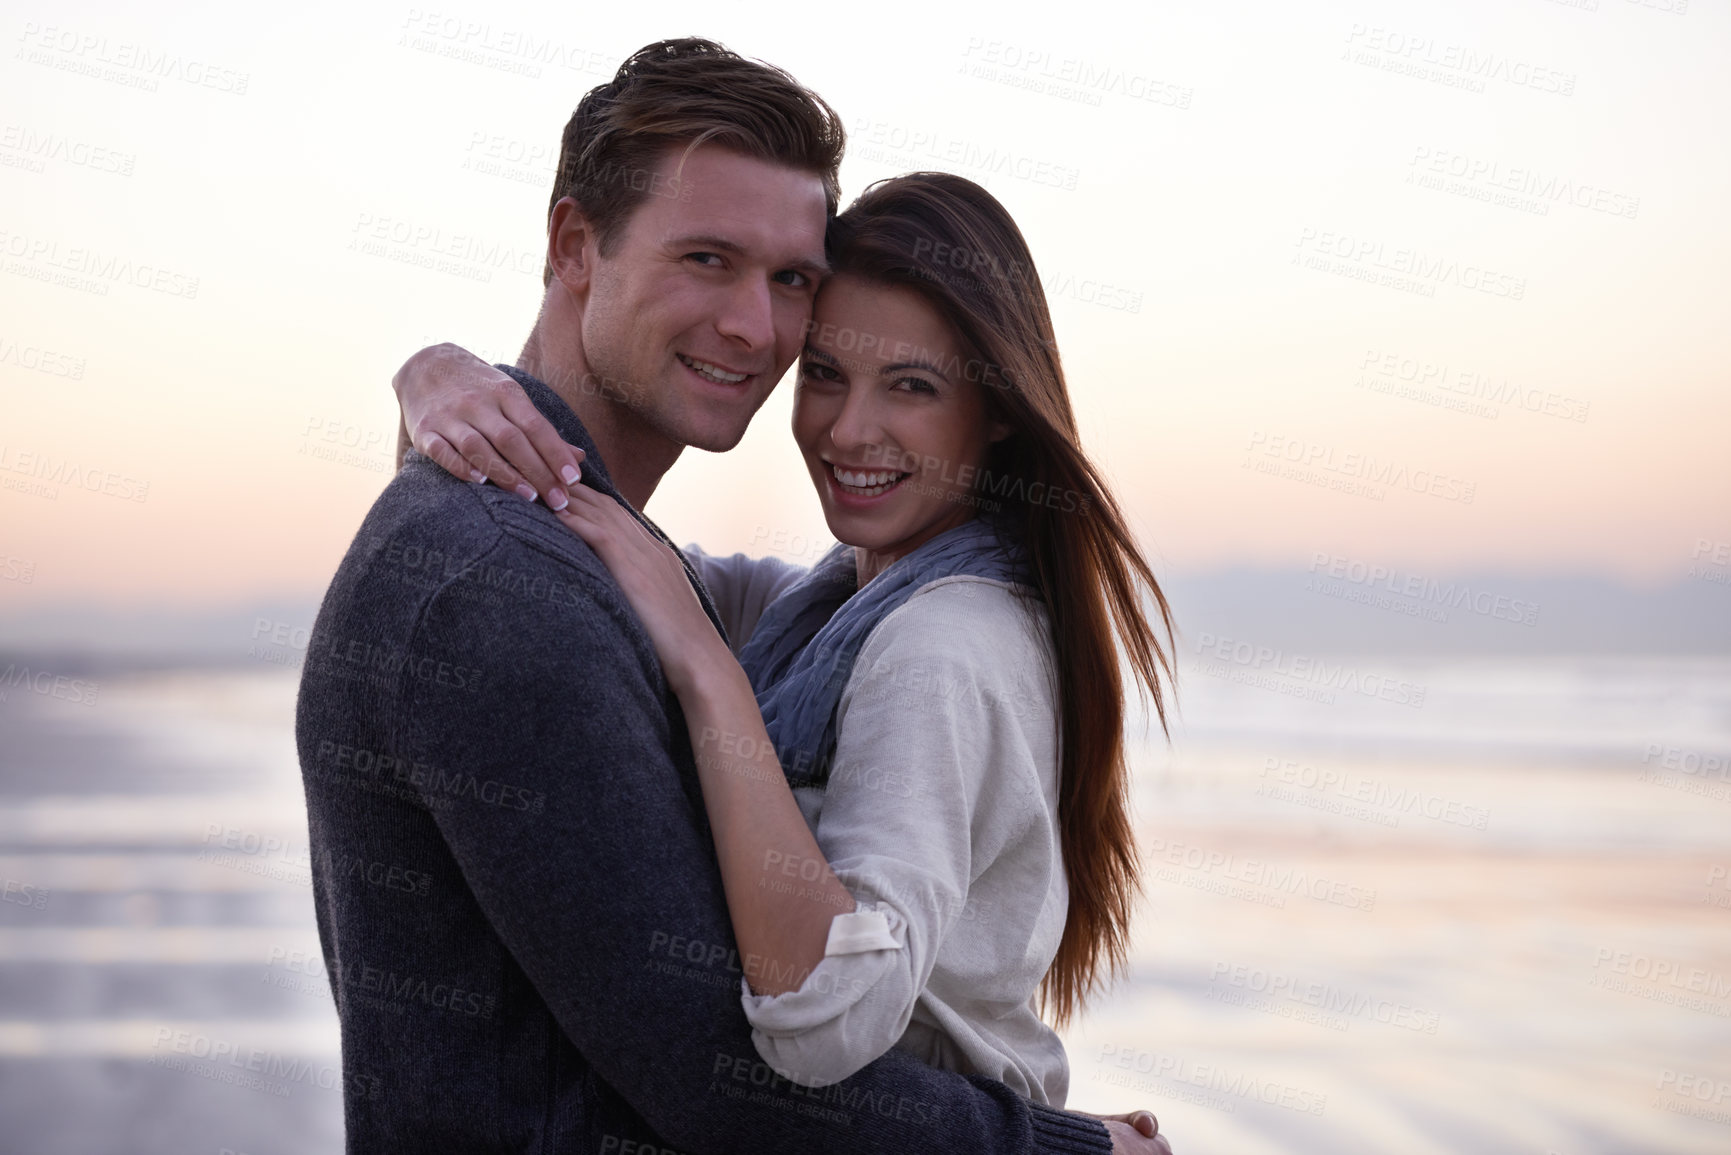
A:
[741,586]
[917,727]
[616,876]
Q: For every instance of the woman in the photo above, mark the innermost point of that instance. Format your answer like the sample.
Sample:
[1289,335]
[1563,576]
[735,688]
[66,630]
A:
[936,707]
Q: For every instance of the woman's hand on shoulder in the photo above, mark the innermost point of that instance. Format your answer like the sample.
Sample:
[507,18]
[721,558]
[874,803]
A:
[477,423]
[1134,1133]
[652,576]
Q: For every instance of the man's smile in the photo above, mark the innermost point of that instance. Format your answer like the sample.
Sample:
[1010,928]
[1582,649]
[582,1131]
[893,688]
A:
[710,371]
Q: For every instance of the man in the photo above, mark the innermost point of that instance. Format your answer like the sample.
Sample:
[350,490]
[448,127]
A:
[516,892]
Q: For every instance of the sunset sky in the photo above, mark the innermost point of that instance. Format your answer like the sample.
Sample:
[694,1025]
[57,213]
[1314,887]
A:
[1478,244]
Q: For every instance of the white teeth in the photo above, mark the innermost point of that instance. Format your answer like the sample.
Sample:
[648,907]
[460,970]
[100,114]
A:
[714,372]
[868,484]
[864,480]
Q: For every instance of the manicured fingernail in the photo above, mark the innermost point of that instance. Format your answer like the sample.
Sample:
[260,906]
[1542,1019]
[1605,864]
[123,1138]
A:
[556,499]
[524,492]
[476,476]
[570,474]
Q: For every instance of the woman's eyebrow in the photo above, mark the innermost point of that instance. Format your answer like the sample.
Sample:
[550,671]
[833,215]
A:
[900,365]
[819,355]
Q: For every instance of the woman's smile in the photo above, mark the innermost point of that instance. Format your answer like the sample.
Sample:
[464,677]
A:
[861,485]
[891,426]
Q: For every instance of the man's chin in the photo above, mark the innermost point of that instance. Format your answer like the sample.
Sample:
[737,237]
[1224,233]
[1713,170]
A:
[716,428]
[716,438]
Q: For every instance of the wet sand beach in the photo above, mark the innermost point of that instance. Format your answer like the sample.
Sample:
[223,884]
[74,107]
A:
[1447,933]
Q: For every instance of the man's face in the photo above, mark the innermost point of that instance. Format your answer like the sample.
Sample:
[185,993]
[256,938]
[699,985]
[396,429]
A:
[705,302]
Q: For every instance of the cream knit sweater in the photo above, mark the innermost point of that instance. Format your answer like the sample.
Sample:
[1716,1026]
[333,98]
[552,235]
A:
[940,817]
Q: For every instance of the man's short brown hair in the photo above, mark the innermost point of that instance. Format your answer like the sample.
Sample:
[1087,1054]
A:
[686,92]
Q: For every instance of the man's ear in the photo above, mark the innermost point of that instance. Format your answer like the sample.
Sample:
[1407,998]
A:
[572,246]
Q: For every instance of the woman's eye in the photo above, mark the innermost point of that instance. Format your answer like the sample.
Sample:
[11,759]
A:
[918,385]
[817,371]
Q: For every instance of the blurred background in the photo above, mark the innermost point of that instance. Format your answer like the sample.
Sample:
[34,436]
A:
[1400,328]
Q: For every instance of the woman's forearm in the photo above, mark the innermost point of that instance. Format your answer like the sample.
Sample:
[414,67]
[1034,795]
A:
[780,889]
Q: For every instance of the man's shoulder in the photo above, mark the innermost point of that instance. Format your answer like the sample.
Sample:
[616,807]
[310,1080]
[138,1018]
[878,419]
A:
[427,518]
[462,608]
[474,552]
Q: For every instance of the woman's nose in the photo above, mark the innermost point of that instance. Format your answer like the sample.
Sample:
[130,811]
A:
[857,424]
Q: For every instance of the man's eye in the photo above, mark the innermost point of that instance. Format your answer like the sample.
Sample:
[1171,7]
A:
[704,258]
[793,278]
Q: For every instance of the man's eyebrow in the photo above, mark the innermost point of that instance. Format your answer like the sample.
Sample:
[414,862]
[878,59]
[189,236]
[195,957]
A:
[706,241]
[817,268]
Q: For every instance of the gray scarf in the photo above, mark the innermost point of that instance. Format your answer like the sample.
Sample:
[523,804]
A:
[802,653]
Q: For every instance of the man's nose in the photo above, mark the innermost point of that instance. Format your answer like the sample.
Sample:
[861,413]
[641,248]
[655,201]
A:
[749,316]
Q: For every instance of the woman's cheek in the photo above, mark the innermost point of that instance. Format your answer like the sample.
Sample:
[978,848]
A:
[805,421]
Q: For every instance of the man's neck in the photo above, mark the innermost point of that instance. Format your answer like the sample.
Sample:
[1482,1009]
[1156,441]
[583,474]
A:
[637,456]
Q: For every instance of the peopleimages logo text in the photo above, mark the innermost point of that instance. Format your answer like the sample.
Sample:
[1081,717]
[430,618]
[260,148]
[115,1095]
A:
[1308,670]
[1360,468]
[1450,595]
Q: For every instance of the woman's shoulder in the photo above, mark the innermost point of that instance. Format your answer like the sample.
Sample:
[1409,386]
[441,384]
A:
[964,665]
[978,607]
[993,630]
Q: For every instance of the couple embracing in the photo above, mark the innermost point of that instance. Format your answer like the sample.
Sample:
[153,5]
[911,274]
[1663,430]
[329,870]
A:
[725,854]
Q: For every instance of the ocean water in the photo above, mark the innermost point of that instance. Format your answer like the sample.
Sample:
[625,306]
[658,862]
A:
[1430,906]
[1578,710]
[157,992]
[1388,906]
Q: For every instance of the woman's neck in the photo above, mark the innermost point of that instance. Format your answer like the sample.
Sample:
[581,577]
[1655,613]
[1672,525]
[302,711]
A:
[869,563]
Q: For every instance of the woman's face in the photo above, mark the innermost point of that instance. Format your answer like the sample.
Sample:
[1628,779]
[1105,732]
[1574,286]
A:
[893,429]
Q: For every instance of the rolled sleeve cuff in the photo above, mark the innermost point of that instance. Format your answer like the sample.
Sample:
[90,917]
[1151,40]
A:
[819,1034]
[864,930]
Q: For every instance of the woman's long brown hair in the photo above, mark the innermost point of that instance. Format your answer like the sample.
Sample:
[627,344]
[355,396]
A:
[951,240]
